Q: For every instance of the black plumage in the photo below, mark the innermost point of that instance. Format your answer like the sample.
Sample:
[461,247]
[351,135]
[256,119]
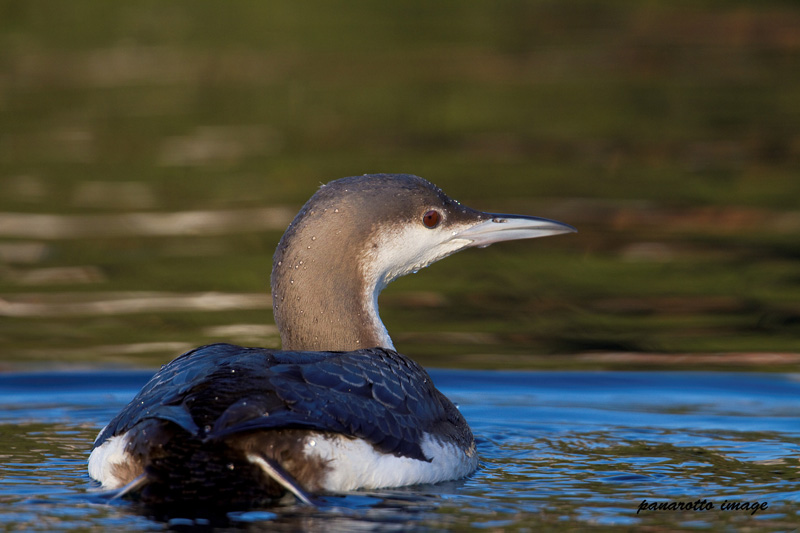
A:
[195,416]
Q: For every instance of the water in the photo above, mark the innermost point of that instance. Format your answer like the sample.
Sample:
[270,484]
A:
[560,450]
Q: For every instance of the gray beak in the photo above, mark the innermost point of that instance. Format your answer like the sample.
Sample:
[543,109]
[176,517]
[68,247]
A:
[498,228]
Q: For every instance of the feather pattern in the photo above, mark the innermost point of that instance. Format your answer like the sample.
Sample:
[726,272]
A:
[230,398]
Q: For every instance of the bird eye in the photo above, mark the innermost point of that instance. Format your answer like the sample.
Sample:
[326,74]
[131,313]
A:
[431,219]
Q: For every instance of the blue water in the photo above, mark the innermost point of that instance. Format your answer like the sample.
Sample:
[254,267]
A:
[559,450]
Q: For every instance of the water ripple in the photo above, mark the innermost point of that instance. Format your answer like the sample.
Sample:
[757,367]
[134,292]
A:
[560,450]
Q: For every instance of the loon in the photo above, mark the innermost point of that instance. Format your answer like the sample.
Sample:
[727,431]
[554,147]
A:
[337,409]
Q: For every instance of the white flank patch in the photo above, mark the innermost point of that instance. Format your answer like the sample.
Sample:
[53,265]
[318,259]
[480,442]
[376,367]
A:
[355,464]
[105,458]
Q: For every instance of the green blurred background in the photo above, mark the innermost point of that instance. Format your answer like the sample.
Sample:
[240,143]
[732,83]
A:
[152,152]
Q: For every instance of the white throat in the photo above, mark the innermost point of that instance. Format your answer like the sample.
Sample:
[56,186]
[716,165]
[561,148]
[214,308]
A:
[397,251]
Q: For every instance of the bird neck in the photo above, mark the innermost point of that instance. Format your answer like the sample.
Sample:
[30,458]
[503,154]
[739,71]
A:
[320,296]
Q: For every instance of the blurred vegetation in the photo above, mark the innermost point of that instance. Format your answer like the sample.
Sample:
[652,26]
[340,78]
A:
[667,132]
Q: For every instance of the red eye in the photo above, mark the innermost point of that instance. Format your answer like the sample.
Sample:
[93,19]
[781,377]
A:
[431,219]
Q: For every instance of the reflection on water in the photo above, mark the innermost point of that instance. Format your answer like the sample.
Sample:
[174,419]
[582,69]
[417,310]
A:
[48,226]
[42,305]
[559,449]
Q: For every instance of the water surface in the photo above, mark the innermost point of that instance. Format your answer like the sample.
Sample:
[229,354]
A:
[561,450]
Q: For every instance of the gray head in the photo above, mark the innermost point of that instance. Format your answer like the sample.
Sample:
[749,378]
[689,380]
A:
[356,235]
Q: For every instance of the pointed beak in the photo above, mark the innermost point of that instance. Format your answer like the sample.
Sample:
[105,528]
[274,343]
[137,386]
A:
[499,228]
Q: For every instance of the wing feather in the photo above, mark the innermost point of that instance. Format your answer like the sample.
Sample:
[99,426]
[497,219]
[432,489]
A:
[221,390]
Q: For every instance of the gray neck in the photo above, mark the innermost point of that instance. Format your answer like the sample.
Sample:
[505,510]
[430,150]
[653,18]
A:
[320,296]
